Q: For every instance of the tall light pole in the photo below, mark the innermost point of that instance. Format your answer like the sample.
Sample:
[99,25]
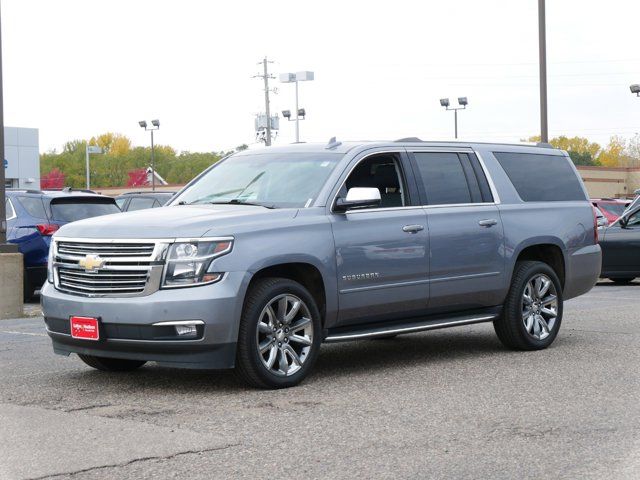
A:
[463,102]
[300,112]
[542,40]
[87,150]
[635,88]
[4,246]
[156,126]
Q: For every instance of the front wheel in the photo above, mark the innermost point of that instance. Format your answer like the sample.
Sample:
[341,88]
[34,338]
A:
[279,335]
[111,364]
[532,312]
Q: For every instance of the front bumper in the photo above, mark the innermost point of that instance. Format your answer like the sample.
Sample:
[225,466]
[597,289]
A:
[126,323]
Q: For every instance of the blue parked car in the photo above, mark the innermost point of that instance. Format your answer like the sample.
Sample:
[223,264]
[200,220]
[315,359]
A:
[34,215]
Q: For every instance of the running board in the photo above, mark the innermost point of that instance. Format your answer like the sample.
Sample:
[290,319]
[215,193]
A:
[373,331]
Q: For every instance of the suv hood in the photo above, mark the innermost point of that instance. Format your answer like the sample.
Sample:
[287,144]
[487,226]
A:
[178,221]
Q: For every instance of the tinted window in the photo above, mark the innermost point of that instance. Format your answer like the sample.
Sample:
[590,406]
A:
[541,178]
[443,178]
[141,203]
[8,208]
[71,212]
[33,206]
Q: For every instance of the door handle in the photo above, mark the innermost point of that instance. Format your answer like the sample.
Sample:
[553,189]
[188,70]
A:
[489,222]
[412,228]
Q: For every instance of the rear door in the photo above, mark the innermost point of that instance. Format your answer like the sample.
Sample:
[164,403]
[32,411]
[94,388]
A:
[466,264]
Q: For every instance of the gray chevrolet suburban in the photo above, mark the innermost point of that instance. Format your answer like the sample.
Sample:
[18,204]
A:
[269,253]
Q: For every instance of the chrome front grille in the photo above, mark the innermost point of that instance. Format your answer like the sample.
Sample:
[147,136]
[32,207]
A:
[107,268]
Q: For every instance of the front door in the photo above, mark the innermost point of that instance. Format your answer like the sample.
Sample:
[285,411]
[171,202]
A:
[382,253]
[621,248]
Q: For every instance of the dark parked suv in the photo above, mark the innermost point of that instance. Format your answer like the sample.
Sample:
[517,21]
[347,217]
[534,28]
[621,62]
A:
[129,202]
[269,253]
[34,215]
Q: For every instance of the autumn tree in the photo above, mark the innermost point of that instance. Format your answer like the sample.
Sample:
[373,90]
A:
[580,149]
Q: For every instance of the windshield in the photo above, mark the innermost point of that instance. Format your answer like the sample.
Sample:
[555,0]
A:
[614,208]
[72,212]
[275,180]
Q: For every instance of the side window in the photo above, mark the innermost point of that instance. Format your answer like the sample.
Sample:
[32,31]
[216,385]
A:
[634,220]
[540,177]
[384,173]
[33,206]
[443,180]
[140,203]
[9,211]
[120,202]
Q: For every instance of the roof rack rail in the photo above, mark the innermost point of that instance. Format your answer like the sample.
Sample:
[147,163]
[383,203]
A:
[409,139]
[23,190]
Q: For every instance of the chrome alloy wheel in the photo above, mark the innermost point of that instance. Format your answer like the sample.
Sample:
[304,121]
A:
[539,306]
[284,335]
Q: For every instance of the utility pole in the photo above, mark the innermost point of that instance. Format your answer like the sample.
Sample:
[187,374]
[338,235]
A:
[542,39]
[266,77]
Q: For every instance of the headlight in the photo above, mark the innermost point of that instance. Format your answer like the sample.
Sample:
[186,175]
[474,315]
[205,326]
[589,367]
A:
[189,262]
[50,264]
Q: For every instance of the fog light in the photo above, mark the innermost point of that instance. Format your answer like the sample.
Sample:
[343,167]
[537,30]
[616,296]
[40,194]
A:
[186,330]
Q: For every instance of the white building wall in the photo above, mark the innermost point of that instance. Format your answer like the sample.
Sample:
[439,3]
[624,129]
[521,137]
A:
[22,155]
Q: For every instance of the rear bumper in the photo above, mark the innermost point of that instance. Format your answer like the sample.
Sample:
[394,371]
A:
[126,323]
[583,271]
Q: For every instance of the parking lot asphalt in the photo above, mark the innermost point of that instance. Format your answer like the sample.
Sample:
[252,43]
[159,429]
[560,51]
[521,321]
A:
[443,404]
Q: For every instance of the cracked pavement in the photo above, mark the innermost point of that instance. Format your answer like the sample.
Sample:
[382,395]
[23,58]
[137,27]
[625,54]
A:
[442,404]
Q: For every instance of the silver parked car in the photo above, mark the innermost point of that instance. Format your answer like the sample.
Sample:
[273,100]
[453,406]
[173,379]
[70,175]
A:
[269,253]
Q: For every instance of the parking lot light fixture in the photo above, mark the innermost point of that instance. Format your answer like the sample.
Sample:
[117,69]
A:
[297,77]
[635,88]
[155,126]
[463,102]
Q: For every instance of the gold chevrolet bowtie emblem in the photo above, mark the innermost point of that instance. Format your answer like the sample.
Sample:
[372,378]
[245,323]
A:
[91,263]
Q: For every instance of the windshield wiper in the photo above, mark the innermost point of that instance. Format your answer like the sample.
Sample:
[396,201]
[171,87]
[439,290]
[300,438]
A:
[235,201]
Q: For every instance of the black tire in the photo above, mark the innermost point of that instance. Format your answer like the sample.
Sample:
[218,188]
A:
[27,287]
[509,326]
[111,364]
[249,365]
[622,281]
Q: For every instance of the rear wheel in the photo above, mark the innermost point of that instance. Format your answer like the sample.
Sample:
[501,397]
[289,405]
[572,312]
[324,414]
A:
[279,336]
[111,364]
[622,281]
[532,313]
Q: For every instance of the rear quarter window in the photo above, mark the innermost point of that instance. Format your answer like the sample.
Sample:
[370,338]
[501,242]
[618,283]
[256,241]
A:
[541,178]
[33,206]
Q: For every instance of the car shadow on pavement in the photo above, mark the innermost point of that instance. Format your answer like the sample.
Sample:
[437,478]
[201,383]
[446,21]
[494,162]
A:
[344,359]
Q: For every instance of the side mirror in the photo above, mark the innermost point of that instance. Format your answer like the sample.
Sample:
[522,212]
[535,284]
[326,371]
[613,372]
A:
[359,197]
[623,222]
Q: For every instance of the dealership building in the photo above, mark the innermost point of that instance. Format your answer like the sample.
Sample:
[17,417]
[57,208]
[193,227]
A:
[21,158]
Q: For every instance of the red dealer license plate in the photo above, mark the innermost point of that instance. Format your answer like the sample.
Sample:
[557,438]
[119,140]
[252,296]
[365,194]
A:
[85,328]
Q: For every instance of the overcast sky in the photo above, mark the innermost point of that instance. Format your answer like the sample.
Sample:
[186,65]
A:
[74,69]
